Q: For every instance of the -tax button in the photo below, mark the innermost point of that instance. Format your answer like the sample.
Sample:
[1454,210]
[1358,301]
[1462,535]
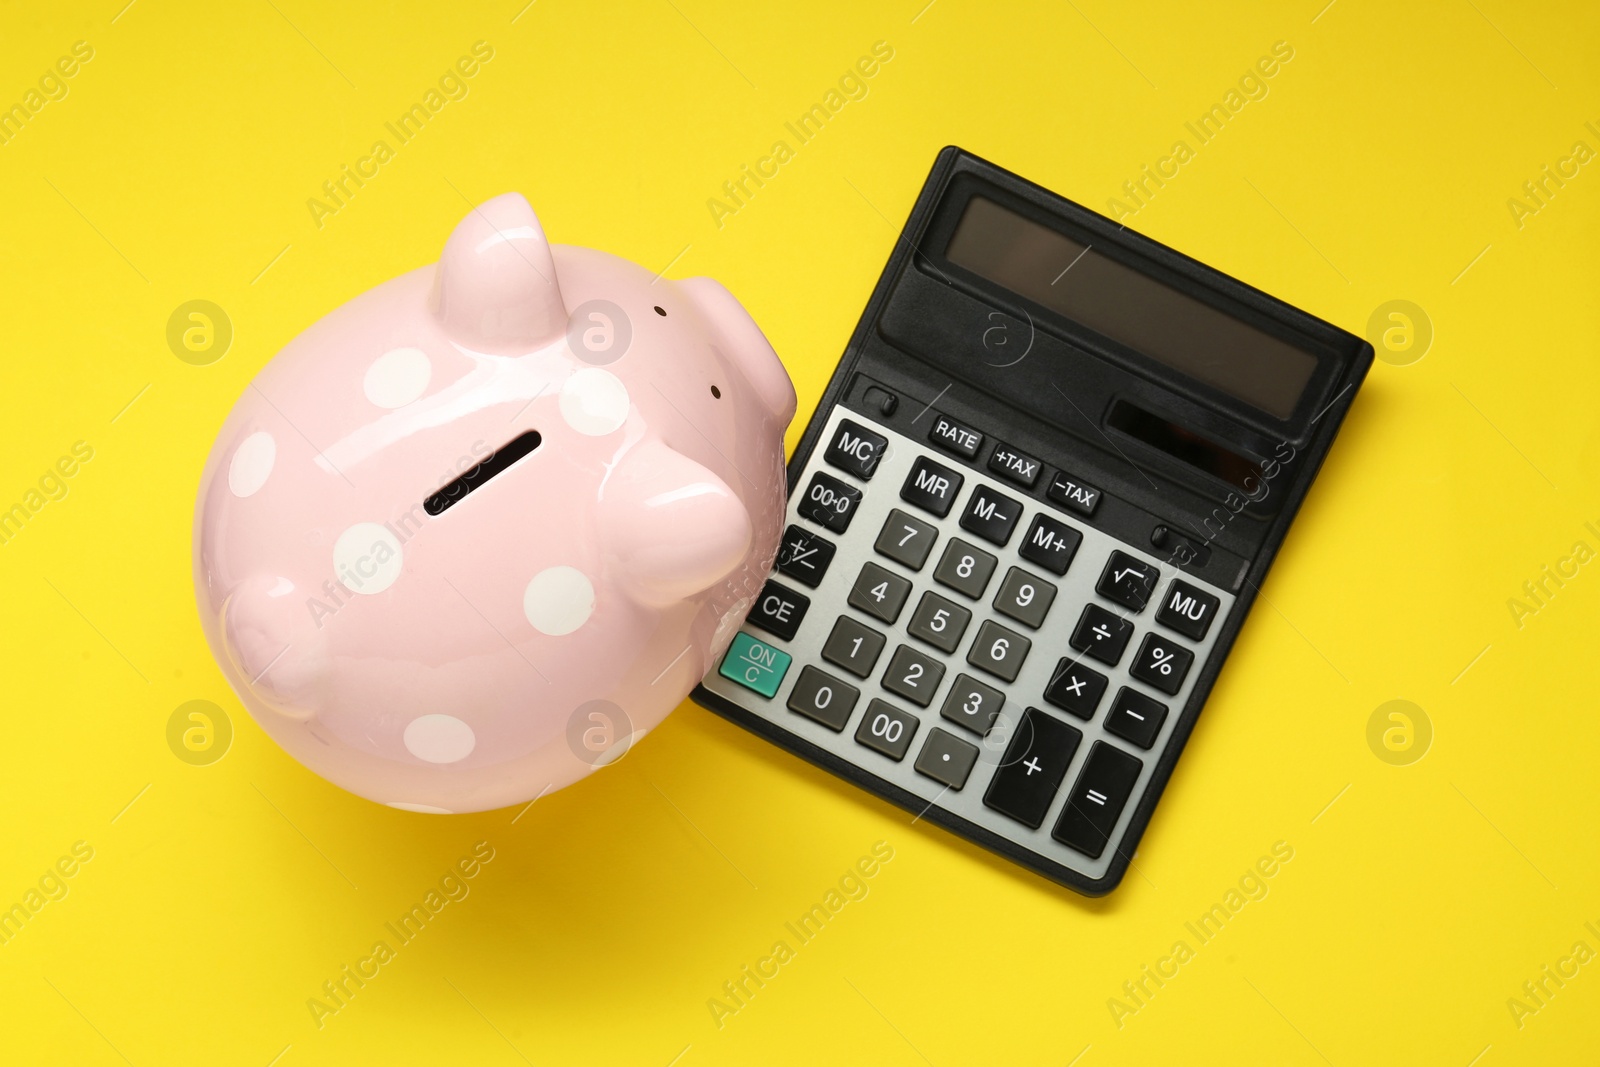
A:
[855,449]
[755,665]
[778,610]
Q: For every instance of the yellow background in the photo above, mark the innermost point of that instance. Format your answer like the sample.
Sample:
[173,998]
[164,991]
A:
[1378,168]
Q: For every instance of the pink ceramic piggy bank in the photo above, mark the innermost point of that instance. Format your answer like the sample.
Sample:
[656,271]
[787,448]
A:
[474,532]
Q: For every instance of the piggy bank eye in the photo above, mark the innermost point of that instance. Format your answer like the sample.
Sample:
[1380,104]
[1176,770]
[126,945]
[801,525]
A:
[661,311]
[492,464]
[716,392]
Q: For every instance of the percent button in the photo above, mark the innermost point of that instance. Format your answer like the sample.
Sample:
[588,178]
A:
[1162,663]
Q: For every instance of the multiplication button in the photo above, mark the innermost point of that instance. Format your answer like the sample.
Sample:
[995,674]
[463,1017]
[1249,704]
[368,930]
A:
[829,502]
[1076,689]
[931,487]
[855,449]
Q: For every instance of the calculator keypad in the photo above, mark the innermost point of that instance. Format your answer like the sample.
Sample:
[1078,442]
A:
[958,628]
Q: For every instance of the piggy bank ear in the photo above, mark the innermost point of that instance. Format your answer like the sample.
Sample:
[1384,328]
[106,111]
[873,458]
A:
[745,344]
[497,287]
[669,527]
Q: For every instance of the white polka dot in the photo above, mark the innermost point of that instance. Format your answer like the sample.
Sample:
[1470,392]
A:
[439,739]
[422,809]
[252,463]
[594,402]
[367,558]
[558,600]
[397,378]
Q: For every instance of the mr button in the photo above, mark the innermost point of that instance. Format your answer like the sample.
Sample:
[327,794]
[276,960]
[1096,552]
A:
[855,449]
[778,610]
[931,487]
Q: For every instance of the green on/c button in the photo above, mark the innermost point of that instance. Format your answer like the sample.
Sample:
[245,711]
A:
[755,665]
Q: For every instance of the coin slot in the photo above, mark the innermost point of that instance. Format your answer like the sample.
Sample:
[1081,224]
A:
[492,464]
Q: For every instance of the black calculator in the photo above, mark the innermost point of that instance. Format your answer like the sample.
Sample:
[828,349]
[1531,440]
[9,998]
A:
[1028,519]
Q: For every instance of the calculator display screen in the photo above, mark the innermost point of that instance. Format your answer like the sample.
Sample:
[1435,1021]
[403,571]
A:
[1130,307]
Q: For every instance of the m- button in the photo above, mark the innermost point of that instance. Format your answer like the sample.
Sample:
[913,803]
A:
[855,449]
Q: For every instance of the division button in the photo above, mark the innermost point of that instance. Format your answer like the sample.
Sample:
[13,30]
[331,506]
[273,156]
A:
[1101,634]
[756,665]
[1037,759]
[946,758]
[906,539]
[1014,466]
[887,729]
[964,568]
[855,449]
[1050,544]
[990,515]
[829,502]
[972,704]
[999,651]
[1076,689]
[778,610]
[913,675]
[1188,610]
[853,646]
[1162,663]
[1128,581]
[955,438]
[1135,717]
[880,593]
[823,698]
[804,556]
[1073,494]
[1097,799]
[931,487]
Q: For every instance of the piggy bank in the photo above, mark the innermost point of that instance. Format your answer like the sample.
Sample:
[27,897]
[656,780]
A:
[476,531]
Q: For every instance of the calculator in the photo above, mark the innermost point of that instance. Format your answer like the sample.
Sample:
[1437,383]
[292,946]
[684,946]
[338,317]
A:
[1028,519]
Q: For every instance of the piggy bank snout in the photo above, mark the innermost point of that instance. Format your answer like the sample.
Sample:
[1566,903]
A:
[671,527]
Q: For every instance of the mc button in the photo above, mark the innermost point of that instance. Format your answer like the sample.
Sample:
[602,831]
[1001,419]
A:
[855,449]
